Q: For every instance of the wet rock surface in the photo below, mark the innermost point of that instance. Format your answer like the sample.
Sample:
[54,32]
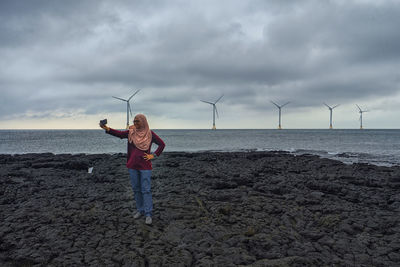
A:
[210,209]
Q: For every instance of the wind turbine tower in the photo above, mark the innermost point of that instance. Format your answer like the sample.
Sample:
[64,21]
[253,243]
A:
[361,112]
[128,107]
[330,109]
[280,108]
[214,110]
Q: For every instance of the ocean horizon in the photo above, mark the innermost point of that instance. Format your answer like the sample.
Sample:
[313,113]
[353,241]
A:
[375,146]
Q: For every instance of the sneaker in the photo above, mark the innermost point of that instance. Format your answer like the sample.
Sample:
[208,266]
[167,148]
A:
[148,220]
[137,215]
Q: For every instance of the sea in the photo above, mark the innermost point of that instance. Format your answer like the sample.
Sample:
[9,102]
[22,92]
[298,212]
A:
[378,147]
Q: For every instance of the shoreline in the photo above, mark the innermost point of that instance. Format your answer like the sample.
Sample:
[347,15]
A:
[347,158]
[221,208]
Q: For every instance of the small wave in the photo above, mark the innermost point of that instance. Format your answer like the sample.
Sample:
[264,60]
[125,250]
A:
[310,151]
[349,155]
[353,157]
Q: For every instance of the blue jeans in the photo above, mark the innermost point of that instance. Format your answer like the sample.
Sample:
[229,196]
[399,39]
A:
[141,185]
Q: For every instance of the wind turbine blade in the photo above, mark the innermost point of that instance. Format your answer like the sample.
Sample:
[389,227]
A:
[207,102]
[134,94]
[359,108]
[218,99]
[119,98]
[285,104]
[275,104]
[336,106]
[130,110]
[216,111]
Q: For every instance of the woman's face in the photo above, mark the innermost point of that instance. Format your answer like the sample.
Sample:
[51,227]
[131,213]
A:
[137,123]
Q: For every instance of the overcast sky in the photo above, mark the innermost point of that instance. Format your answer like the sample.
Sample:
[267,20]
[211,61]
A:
[61,61]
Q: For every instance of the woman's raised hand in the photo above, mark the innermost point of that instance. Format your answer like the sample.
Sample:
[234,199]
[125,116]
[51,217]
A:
[105,127]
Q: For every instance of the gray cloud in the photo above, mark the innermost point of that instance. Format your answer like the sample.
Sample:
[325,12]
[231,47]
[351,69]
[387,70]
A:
[62,55]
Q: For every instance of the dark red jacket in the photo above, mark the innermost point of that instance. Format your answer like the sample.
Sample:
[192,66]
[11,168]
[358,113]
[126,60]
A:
[135,158]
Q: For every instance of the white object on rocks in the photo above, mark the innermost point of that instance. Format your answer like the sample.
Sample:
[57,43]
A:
[90,170]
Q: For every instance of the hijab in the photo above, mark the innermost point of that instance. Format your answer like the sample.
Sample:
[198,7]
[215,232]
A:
[140,137]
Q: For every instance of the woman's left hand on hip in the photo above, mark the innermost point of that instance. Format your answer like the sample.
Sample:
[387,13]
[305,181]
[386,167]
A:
[148,156]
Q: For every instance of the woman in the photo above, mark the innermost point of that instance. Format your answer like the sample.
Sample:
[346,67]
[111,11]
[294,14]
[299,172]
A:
[140,138]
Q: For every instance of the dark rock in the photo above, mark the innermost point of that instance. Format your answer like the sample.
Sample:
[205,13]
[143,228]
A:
[394,256]
[210,209]
[317,195]
[394,179]
[75,165]
[218,185]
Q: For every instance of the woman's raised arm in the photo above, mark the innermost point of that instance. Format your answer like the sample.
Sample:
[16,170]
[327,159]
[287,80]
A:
[120,134]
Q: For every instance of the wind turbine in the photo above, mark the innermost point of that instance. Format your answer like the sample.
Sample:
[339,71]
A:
[330,109]
[279,107]
[361,112]
[214,110]
[128,107]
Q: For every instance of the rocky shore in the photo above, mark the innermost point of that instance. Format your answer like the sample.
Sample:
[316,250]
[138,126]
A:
[211,209]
